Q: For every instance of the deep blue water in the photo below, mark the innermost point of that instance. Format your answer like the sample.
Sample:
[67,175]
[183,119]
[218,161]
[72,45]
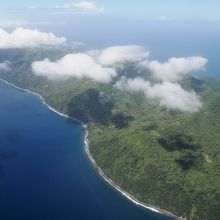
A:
[44,171]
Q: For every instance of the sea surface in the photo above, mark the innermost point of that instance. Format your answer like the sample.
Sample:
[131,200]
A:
[44,171]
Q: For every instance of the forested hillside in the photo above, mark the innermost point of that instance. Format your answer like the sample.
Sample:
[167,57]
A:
[166,158]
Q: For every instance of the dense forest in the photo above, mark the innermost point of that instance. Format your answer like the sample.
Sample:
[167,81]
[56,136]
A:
[166,158]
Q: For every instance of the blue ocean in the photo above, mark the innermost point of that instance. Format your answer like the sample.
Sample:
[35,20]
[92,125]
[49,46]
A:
[44,171]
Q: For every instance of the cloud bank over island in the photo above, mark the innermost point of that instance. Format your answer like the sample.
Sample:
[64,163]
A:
[168,94]
[24,38]
[96,65]
[105,66]
[102,66]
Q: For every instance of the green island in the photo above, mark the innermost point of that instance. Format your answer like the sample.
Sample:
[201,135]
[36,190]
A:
[165,158]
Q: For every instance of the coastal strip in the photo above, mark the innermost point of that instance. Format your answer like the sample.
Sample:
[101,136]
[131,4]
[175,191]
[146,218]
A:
[118,188]
[91,158]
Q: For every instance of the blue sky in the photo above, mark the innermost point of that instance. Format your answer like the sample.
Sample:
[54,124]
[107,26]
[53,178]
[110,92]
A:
[140,9]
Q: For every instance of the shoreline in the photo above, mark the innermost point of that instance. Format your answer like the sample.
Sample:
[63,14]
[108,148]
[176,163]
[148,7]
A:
[92,160]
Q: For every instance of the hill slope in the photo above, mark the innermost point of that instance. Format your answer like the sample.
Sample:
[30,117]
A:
[168,159]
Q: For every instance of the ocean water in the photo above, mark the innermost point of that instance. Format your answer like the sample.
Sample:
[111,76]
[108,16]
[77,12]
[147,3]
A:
[44,171]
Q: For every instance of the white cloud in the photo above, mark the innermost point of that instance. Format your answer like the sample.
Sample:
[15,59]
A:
[120,54]
[168,94]
[12,23]
[74,65]
[175,68]
[83,5]
[96,65]
[5,65]
[22,38]
[102,66]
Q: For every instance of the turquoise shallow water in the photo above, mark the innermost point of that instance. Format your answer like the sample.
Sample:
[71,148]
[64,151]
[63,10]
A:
[44,171]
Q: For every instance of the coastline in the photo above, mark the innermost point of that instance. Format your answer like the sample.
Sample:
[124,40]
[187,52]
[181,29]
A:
[92,160]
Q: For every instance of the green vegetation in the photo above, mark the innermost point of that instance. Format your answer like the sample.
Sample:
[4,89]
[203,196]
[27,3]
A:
[120,120]
[168,159]
[91,105]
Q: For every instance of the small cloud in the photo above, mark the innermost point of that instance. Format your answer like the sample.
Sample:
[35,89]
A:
[23,38]
[175,68]
[83,5]
[168,94]
[120,54]
[5,65]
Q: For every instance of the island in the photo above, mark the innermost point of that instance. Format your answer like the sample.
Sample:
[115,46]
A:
[165,158]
